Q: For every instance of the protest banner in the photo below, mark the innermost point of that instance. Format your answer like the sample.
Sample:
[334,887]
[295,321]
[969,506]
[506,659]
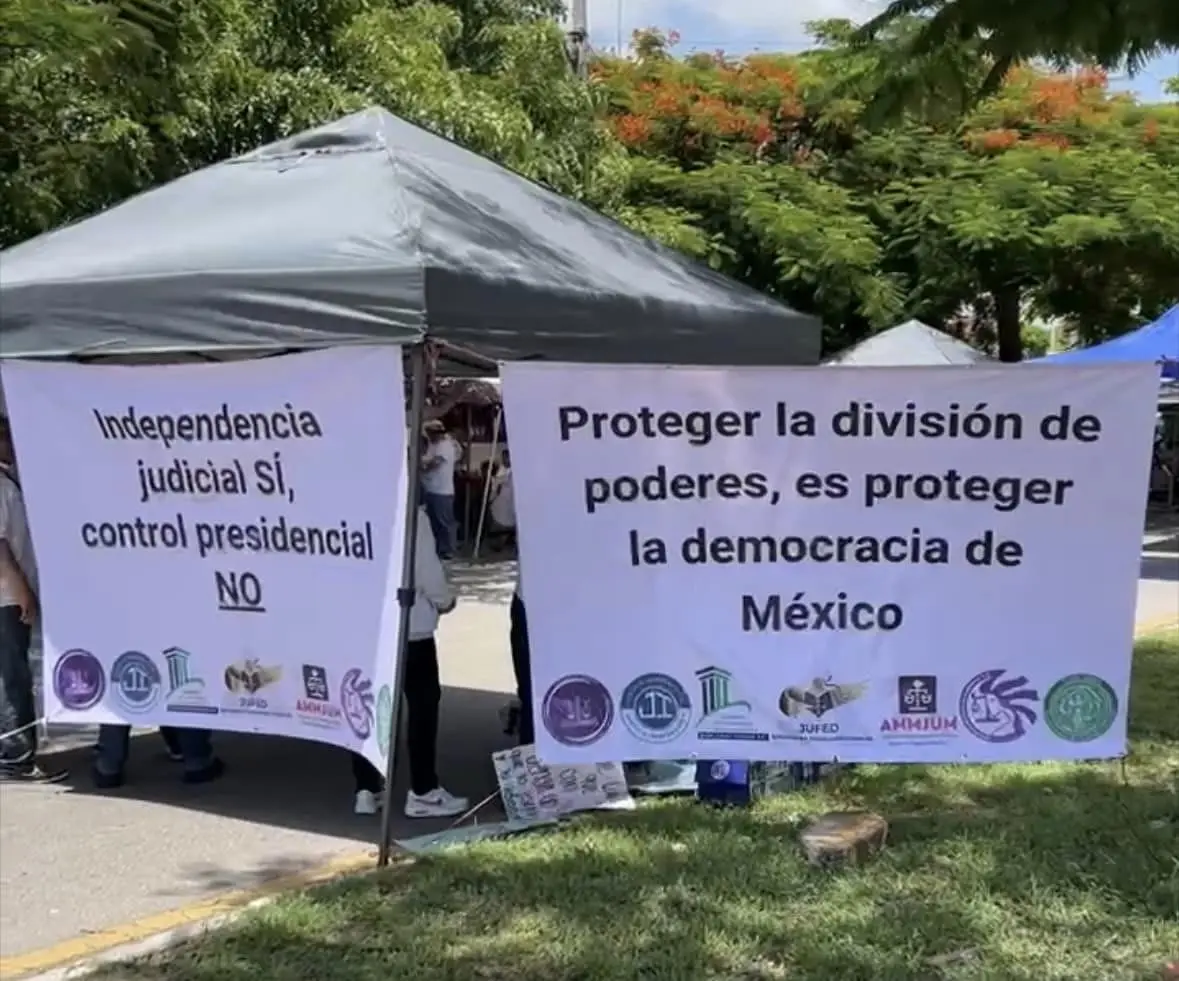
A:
[218,545]
[893,565]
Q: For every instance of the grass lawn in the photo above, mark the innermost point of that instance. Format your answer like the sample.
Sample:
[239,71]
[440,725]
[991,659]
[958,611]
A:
[993,873]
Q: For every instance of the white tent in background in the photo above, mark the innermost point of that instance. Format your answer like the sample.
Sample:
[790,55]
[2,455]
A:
[910,343]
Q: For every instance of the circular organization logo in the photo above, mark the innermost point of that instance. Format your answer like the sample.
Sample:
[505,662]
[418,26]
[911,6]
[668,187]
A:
[577,710]
[720,769]
[78,680]
[356,699]
[655,708]
[1080,708]
[136,682]
[384,718]
[996,707]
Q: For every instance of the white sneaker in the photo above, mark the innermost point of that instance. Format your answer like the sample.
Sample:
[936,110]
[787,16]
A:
[437,803]
[367,802]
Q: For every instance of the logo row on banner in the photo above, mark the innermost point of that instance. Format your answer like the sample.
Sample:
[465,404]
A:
[135,685]
[996,706]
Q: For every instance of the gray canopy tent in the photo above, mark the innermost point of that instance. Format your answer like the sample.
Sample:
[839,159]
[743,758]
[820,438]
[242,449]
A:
[371,229]
[910,343]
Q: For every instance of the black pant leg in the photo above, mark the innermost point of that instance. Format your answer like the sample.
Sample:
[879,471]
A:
[522,666]
[423,693]
[18,706]
[366,775]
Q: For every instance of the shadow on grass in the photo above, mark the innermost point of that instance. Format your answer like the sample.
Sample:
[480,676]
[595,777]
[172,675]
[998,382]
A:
[1052,872]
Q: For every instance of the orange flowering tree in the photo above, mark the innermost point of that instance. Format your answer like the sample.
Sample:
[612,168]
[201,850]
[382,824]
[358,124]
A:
[1055,195]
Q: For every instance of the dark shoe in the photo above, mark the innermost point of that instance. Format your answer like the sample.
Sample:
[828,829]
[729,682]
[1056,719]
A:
[108,781]
[31,773]
[206,774]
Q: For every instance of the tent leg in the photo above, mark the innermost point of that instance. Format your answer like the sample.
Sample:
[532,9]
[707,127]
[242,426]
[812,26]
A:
[499,411]
[405,594]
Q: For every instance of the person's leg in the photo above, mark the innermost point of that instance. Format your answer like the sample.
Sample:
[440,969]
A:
[18,708]
[369,785]
[170,735]
[196,749]
[423,692]
[449,521]
[110,757]
[434,511]
[522,666]
[366,776]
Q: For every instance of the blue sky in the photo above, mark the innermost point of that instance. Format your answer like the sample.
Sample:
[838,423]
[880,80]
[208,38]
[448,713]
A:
[740,26]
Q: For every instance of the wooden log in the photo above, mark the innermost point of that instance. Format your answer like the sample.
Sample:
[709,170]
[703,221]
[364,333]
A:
[844,838]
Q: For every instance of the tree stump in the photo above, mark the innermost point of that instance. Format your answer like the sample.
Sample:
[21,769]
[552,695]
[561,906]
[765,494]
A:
[844,838]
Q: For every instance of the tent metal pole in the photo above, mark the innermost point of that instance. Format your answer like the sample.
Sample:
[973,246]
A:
[405,594]
[499,414]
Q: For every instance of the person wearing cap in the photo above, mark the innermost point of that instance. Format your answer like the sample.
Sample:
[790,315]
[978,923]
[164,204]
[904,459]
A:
[18,612]
[438,464]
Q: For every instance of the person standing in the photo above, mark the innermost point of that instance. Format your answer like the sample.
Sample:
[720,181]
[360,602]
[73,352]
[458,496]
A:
[18,613]
[433,597]
[193,747]
[504,514]
[438,464]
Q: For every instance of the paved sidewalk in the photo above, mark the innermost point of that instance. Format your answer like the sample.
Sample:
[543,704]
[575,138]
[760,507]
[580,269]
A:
[76,862]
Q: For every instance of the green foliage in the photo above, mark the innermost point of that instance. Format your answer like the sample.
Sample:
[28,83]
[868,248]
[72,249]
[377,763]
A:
[100,103]
[1052,197]
[861,181]
[1110,33]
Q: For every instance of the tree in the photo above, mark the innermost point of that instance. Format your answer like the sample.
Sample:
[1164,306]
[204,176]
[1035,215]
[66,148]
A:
[729,168]
[1109,33]
[1054,198]
[82,133]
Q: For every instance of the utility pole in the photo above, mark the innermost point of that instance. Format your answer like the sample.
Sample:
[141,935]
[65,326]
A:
[577,36]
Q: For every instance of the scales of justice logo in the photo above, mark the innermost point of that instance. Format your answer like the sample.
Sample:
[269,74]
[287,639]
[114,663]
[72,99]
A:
[356,699]
[996,708]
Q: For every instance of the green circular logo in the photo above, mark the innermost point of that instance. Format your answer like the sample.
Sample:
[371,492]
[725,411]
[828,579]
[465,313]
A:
[1080,708]
[384,718]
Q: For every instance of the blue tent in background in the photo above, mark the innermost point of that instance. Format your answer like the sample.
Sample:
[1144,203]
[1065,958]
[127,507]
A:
[1154,342]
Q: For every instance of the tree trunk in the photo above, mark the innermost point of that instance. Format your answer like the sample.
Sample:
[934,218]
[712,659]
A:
[1007,323]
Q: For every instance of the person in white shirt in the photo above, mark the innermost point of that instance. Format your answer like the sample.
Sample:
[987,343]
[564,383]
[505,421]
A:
[18,613]
[433,597]
[438,463]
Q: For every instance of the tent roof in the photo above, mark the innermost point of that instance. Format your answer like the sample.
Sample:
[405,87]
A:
[371,228]
[910,343]
[1158,341]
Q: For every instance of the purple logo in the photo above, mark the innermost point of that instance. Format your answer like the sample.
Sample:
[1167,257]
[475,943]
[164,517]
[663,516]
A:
[577,710]
[998,709]
[78,680]
[356,698]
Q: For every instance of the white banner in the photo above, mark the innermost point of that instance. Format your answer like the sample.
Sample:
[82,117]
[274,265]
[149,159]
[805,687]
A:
[856,564]
[218,545]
